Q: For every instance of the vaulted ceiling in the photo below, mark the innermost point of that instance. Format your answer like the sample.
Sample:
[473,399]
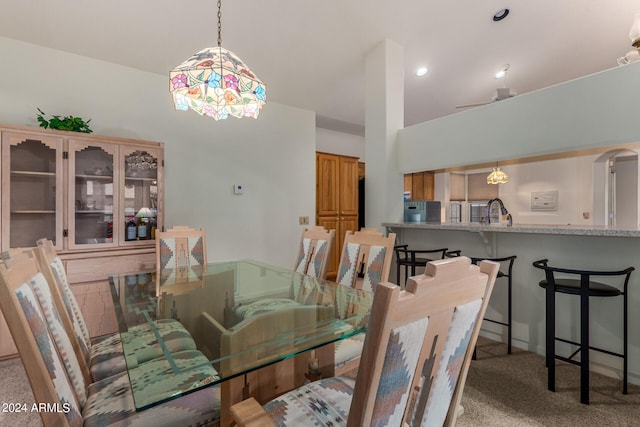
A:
[311,53]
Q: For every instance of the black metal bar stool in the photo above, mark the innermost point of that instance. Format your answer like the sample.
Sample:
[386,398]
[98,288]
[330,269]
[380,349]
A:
[407,257]
[504,262]
[585,288]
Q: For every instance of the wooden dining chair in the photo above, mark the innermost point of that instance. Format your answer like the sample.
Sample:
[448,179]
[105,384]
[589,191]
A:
[312,260]
[314,251]
[104,356]
[54,373]
[365,262]
[417,352]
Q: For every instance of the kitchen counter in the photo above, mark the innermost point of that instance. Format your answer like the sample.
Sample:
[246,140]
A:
[561,229]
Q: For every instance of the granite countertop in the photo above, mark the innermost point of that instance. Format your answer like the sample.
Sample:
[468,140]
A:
[563,229]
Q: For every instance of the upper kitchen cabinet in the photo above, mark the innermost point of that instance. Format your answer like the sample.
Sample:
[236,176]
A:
[32,189]
[420,185]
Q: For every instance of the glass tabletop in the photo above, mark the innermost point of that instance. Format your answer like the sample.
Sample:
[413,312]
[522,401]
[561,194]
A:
[242,315]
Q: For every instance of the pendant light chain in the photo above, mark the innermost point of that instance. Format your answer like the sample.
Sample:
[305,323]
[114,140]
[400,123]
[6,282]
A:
[219,24]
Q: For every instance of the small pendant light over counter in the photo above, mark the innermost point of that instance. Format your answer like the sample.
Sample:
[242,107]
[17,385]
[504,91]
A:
[497,176]
[216,83]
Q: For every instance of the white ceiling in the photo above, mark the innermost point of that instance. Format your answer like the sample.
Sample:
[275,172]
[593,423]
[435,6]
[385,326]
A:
[311,54]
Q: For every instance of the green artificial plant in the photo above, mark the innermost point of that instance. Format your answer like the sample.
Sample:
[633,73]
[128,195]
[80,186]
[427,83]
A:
[74,124]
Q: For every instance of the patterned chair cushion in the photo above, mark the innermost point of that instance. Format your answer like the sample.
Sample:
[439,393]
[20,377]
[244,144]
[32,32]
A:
[324,402]
[72,307]
[170,259]
[441,391]
[317,260]
[311,262]
[347,268]
[264,306]
[399,366]
[375,263]
[61,340]
[348,349]
[111,400]
[107,354]
[38,325]
[303,256]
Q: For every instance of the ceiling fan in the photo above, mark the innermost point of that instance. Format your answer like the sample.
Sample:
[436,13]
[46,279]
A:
[501,93]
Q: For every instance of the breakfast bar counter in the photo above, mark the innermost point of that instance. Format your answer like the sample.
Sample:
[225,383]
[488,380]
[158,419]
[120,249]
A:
[586,247]
[563,229]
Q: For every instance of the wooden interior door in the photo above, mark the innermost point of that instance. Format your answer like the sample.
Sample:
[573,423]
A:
[348,186]
[327,184]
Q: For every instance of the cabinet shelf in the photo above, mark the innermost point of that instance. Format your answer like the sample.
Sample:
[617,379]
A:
[95,212]
[94,177]
[33,211]
[33,173]
[137,178]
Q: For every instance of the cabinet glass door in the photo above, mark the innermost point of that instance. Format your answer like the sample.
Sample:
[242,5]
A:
[31,196]
[139,199]
[92,194]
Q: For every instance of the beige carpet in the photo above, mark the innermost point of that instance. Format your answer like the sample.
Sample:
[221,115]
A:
[502,390]
[511,390]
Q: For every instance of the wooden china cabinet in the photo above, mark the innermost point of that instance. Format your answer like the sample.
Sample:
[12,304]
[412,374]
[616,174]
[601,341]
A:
[82,192]
[336,200]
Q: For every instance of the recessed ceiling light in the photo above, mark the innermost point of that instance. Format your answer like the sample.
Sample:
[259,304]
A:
[502,72]
[422,71]
[500,15]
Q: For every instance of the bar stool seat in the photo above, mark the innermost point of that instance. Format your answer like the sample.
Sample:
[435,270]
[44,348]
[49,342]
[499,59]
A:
[407,258]
[572,286]
[585,288]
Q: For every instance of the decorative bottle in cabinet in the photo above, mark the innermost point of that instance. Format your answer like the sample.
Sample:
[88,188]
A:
[143,229]
[131,230]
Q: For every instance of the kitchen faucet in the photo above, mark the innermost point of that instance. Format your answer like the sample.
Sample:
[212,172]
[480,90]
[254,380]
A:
[503,210]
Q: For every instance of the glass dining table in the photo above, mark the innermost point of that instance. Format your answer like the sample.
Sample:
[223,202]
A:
[255,323]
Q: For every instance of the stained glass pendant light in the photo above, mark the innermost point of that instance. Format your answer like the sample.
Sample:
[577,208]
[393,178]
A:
[216,83]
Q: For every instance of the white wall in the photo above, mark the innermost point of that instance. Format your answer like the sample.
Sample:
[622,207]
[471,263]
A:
[594,111]
[571,177]
[346,144]
[273,156]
